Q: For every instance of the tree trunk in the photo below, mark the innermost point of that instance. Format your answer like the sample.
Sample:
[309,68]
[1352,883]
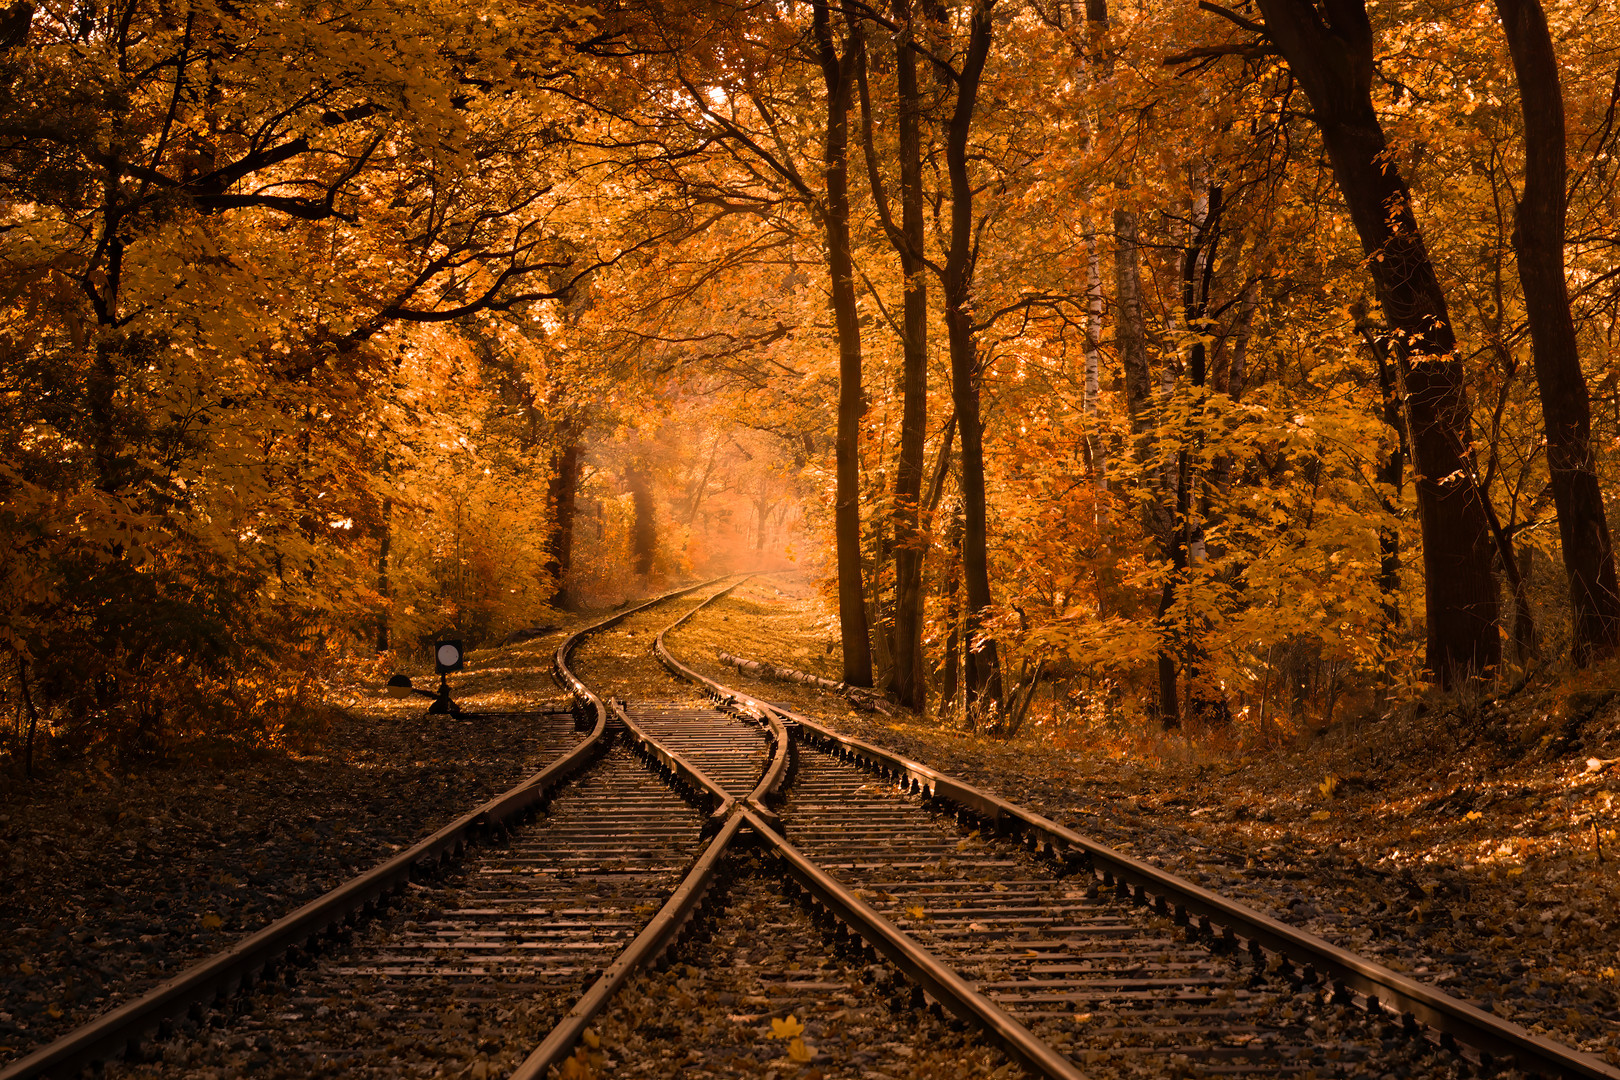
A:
[952,616]
[563,489]
[1391,471]
[909,682]
[33,716]
[1538,241]
[839,75]
[1333,62]
[1096,448]
[644,524]
[1130,330]
[981,665]
[384,544]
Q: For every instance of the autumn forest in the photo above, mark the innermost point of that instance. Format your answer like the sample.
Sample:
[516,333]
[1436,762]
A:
[1191,363]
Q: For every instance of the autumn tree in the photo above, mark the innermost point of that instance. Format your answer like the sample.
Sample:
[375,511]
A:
[1329,50]
[1538,240]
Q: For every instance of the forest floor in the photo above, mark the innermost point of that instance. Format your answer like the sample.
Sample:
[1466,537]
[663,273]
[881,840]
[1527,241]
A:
[1472,849]
[1475,852]
[116,878]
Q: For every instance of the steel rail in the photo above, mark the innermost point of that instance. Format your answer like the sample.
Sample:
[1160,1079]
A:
[688,778]
[256,957]
[723,826]
[564,674]
[1411,1002]
[644,951]
[676,913]
[770,784]
[922,967]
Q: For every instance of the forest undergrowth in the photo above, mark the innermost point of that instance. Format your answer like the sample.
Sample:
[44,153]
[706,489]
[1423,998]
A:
[119,875]
[1470,844]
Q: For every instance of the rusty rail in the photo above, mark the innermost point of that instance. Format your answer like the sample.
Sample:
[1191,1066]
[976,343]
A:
[257,957]
[1309,957]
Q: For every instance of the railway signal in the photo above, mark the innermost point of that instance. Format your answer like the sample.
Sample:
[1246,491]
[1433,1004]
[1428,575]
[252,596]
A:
[448,656]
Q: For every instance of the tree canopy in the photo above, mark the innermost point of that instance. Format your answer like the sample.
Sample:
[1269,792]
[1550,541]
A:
[1200,360]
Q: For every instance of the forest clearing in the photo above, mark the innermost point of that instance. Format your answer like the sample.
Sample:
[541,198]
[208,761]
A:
[945,537]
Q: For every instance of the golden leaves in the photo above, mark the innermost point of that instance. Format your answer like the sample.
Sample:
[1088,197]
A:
[792,1030]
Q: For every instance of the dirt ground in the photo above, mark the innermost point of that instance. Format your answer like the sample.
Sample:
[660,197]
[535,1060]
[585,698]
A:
[1473,849]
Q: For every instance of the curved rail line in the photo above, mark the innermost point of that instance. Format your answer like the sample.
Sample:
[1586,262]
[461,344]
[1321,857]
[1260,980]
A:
[872,864]
[1285,954]
[294,940]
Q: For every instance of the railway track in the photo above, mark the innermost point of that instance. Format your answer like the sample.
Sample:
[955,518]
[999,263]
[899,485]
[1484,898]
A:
[649,863]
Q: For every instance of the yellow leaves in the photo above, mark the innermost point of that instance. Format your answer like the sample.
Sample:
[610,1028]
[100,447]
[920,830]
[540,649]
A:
[1472,815]
[916,911]
[791,1029]
[1329,787]
[25,968]
[212,921]
[582,1066]
[586,1062]
[1321,816]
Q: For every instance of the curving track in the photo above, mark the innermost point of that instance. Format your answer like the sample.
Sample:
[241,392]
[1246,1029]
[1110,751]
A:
[652,856]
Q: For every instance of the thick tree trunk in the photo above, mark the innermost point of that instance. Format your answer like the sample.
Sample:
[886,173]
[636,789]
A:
[563,489]
[910,683]
[1334,65]
[980,663]
[1130,330]
[1538,241]
[839,74]
[950,674]
[644,523]
[908,673]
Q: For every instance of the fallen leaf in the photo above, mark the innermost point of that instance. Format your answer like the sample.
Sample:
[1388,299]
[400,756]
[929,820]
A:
[799,1051]
[1321,815]
[787,1029]
[212,921]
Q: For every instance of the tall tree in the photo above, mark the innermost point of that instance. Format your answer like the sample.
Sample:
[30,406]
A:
[1329,50]
[1538,241]
[982,665]
[838,72]
[908,678]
